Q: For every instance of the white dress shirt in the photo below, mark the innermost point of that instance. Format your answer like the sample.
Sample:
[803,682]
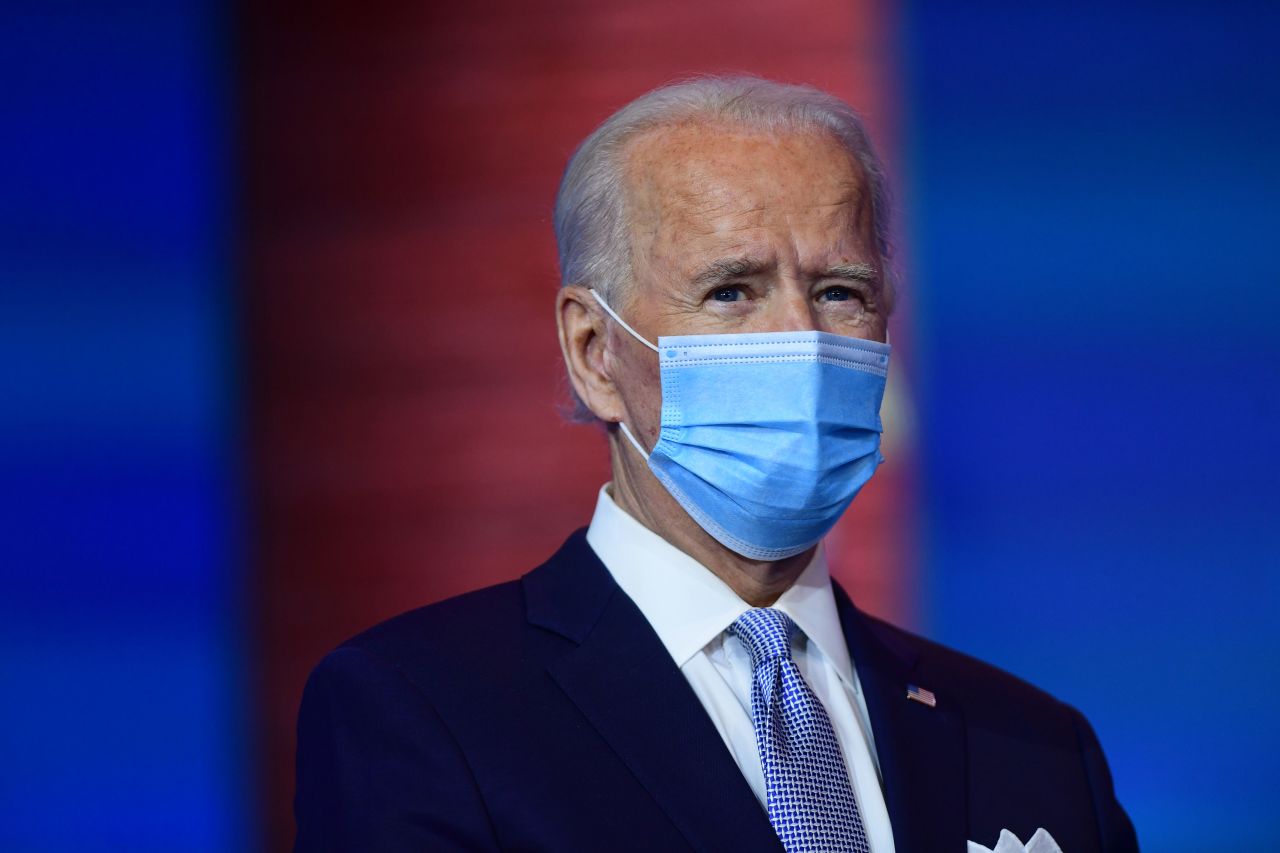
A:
[690,608]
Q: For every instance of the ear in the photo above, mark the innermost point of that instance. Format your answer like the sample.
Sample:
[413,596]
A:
[583,335]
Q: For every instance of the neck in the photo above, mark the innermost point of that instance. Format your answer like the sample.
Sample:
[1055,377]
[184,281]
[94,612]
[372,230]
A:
[637,492]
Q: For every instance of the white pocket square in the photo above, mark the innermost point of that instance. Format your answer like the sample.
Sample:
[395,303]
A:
[1041,842]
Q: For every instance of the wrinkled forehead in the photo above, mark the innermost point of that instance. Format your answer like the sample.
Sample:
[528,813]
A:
[701,168]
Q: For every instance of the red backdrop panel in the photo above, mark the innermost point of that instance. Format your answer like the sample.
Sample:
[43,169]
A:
[404,375]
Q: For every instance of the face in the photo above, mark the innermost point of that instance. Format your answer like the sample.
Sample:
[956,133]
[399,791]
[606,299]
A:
[741,231]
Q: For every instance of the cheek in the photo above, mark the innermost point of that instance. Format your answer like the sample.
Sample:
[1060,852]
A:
[640,385]
[871,327]
[649,399]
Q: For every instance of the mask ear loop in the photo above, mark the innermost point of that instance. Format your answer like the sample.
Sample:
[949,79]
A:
[623,323]
[634,443]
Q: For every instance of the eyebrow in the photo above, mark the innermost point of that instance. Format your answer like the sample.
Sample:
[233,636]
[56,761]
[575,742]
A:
[728,269]
[853,272]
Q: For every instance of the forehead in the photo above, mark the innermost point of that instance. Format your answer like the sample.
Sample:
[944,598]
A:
[698,170]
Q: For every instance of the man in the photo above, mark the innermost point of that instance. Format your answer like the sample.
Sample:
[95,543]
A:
[684,675]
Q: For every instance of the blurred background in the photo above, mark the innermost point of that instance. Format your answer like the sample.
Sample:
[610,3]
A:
[277,361]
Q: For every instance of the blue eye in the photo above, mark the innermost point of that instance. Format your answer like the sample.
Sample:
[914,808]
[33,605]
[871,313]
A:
[727,294]
[837,294]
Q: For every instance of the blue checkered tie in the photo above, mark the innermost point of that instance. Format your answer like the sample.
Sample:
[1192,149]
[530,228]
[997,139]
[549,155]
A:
[810,800]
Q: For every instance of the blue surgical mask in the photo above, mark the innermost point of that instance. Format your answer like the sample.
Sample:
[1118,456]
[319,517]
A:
[766,437]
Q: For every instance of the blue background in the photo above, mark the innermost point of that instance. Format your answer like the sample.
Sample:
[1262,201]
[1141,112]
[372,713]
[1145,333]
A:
[122,664]
[1092,211]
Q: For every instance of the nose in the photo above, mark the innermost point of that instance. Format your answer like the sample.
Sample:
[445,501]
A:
[792,311]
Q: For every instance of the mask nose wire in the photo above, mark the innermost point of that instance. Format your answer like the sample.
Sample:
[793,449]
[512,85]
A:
[623,323]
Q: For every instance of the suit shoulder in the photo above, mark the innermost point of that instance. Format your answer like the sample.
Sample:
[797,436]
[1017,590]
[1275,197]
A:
[455,631]
[487,639]
[981,687]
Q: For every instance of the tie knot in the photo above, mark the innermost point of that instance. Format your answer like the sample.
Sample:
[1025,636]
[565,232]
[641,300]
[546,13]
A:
[766,633]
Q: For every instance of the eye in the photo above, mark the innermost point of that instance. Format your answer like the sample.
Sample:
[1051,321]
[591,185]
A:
[839,293]
[728,293]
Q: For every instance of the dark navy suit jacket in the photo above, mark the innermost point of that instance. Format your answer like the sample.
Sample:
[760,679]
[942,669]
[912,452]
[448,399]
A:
[545,714]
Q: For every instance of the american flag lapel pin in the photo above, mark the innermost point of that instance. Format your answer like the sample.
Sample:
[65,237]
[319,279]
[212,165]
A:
[924,697]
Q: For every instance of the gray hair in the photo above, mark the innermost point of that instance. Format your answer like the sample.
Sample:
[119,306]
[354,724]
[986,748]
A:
[590,213]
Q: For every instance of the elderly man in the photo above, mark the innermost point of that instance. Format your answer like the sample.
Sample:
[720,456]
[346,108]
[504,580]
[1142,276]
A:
[684,674]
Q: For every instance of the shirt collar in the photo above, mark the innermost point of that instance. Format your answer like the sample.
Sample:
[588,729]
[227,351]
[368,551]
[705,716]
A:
[688,606]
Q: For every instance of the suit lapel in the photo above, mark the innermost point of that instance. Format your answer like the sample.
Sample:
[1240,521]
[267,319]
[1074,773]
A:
[626,685]
[920,748]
